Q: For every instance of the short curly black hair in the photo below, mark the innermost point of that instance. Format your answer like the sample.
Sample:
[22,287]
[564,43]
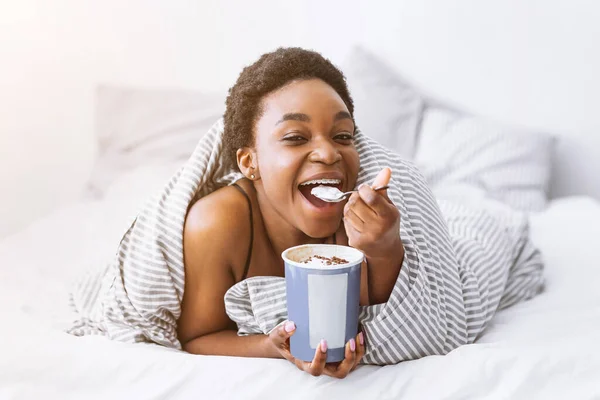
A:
[271,72]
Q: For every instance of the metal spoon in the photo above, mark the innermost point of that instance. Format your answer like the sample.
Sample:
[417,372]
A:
[331,194]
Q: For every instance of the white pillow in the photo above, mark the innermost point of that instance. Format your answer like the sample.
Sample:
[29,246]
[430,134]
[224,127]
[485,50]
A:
[137,127]
[485,158]
[387,107]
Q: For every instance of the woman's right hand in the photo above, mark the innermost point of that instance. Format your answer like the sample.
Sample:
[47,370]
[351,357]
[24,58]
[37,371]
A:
[355,349]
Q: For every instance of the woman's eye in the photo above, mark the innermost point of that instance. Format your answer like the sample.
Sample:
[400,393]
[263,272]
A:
[344,137]
[294,139]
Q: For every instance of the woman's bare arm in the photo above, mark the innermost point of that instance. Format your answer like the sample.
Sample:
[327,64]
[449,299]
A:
[228,343]
[209,246]
[383,273]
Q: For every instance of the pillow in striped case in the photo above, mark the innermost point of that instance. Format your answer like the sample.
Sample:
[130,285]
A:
[477,157]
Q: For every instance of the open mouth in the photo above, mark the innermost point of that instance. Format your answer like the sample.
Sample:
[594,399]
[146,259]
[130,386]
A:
[306,187]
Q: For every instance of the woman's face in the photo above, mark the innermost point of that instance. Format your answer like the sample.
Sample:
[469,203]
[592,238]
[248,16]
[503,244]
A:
[304,138]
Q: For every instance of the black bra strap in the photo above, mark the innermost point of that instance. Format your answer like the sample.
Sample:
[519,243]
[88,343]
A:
[249,256]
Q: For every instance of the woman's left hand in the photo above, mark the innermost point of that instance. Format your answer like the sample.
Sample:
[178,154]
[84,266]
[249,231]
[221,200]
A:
[372,221]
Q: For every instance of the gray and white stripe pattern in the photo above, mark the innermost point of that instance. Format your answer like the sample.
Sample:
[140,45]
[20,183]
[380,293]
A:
[461,264]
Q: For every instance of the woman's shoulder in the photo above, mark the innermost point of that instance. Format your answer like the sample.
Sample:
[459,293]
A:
[221,216]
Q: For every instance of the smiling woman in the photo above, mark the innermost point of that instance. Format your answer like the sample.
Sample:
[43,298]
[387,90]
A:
[288,128]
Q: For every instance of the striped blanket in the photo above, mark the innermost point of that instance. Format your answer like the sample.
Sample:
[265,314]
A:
[461,264]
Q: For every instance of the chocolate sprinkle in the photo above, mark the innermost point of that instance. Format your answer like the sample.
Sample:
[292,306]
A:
[328,260]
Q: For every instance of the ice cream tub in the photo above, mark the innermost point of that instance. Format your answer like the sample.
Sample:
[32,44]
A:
[322,291]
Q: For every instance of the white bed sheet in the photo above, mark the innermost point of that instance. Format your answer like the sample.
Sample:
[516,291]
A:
[544,348]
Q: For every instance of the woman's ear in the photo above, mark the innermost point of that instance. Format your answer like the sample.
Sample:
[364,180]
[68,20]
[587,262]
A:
[247,162]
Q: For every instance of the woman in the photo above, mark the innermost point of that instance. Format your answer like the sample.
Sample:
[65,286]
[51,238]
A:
[288,125]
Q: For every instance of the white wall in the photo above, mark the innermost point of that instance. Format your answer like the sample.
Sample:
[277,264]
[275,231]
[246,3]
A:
[532,63]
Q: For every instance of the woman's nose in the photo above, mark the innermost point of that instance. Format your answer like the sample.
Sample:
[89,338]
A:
[325,152]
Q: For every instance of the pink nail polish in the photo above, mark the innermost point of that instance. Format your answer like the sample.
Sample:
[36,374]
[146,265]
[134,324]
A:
[361,338]
[289,326]
[323,345]
[352,344]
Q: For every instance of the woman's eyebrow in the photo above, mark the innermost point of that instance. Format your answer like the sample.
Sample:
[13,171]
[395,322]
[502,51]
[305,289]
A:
[294,117]
[305,118]
[342,115]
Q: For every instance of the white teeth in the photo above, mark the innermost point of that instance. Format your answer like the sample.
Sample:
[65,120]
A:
[322,182]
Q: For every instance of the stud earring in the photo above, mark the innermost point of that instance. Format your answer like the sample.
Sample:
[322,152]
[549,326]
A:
[252,176]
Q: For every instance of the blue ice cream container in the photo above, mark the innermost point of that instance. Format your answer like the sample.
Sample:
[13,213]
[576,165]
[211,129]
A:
[322,299]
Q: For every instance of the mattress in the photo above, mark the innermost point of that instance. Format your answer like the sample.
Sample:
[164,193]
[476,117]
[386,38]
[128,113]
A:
[543,348]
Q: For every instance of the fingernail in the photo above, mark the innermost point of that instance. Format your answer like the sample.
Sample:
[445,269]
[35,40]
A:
[323,345]
[289,326]
[352,344]
[361,338]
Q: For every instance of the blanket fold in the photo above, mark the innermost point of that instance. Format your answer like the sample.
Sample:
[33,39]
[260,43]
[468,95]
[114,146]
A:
[462,262]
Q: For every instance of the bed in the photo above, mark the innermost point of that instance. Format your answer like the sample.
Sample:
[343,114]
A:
[543,348]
